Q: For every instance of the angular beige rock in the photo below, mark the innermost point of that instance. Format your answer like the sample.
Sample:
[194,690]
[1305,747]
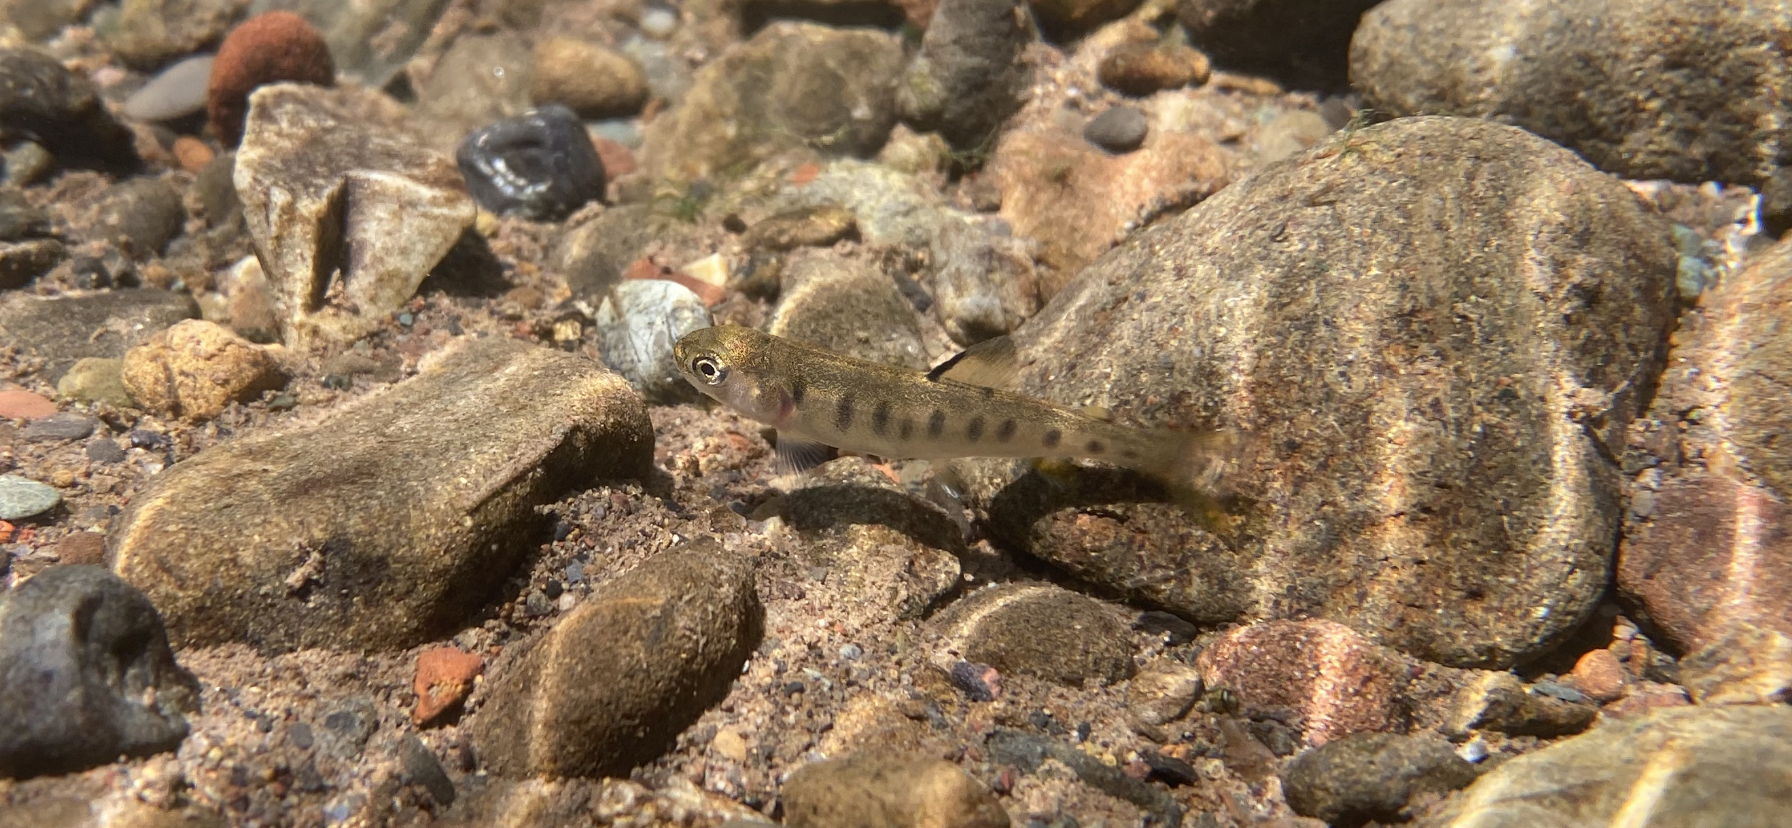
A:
[615,681]
[347,212]
[389,521]
[196,369]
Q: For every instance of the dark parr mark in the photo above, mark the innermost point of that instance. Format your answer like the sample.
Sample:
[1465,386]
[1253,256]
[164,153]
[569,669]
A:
[936,423]
[1096,447]
[1005,431]
[1051,438]
[880,418]
[1129,454]
[798,390]
[974,431]
[907,429]
[843,414]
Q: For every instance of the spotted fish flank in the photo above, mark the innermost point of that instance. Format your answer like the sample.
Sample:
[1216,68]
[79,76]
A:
[813,396]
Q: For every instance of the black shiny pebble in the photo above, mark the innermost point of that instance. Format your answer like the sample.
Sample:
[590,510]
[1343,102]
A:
[978,682]
[539,165]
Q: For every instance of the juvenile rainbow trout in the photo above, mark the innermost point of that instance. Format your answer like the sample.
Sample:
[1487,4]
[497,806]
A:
[817,398]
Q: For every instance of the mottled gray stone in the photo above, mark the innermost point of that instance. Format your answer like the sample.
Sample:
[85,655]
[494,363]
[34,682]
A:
[1039,630]
[1372,776]
[61,330]
[140,215]
[87,675]
[967,77]
[1430,331]
[847,307]
[983,283]
[1119,129]
[790,85]
[332,191]
[616,680]
[1686,767]
[1676,89]
[22,497]
[388,522]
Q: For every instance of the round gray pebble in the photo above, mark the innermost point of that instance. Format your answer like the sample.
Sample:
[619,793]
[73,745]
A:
[22,498]
[65,425]
[1121,129]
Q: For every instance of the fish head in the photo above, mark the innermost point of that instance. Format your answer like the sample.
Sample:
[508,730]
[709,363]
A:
[730,363]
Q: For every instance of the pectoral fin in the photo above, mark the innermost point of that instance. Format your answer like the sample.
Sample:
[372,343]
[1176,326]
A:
[795,456]
[990,364]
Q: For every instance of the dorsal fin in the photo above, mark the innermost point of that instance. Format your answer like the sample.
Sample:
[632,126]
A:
[990,363]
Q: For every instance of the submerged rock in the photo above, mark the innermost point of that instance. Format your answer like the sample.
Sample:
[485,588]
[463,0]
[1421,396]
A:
[87,675]
[873,789]
[386,523]
[1305,43]
[847,307]
[1643,89]
[637,338]
[330,193]
[967,77]
[1039,630]
[64,329]
[197,368]
[539,165]
[617,679]
[1427,421]
[1372,776]
[790,85]
[1685,766]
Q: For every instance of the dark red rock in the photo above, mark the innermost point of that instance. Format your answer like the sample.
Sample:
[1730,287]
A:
[267,48]
[1716,553]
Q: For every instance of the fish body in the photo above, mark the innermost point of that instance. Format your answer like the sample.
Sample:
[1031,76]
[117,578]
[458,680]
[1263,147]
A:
[817,396]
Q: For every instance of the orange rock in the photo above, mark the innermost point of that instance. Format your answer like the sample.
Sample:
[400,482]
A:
[192,153]
[805,174]
[5,531]
[19,404]
[1599,675]
[617,158]
[267,48]
[444,678]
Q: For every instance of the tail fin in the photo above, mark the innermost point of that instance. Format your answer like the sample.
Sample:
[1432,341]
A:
[1203,477]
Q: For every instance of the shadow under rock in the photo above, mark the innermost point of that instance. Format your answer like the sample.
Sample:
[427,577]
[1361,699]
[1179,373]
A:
[825,506]
[1185,555]
[470,268]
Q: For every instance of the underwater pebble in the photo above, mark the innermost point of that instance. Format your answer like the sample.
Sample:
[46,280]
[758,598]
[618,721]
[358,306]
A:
[874,789]
[20,404]
[1120,129]
[659,22]
[1038,630]
[59,110]
[22,498]
[1139,69]
[66,425]
[196,368]
[1372,776]
[488,430]
[443,681]
[591,80]
[637,342]
[267,48]
[539,165]
[627,670]
[87,674]
[175,92]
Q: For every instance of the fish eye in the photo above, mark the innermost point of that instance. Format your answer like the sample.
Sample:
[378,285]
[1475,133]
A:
[709,369]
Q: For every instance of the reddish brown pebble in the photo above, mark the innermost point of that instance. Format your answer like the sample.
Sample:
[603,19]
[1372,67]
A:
[19,404]
[1599,675]
[805,174]
[444,678]
[192,153]
[267,48]
[617,158]
[6,530]
[82,548]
